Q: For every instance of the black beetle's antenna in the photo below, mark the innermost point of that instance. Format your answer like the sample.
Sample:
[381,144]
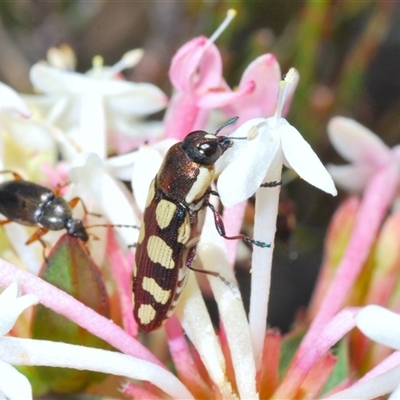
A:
[229,122]
[112,226]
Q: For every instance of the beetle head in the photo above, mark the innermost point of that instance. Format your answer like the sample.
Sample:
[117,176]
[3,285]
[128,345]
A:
[76,229]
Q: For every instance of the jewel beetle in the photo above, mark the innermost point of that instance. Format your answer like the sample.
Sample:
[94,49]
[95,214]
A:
[172,223]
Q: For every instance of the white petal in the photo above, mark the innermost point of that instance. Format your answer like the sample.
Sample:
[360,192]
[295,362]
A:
[29,133]
[395,394]
[242,177]
[112,197]
[211,252]
[380,325]
[12,306]
[355,142]
[56,354]
[372,388]
[13,384]
[351,177]
[303,160]
[54,81]
[197,324]
[238,145]
[147,164]
[92,125]
[121,166]
[140,99]
[11,100]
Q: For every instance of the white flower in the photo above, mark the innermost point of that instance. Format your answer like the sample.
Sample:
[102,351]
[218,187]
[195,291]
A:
[13,385]
[245,166]
[89,106]
[382,326]
[270,143]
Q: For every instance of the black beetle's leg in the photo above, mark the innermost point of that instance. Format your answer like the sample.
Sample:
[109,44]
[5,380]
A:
[16,176]
[271,184]
[73,202]
[219,224]
[5,221]
[37,235]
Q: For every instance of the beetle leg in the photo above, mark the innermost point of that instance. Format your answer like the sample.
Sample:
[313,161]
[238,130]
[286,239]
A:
[37,235]
[73,202]
[5,221]
[271,184]
[16,176]
[189,262]
[219,224]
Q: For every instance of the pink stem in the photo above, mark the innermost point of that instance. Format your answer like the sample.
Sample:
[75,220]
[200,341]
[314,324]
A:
[378,196]
[64,304]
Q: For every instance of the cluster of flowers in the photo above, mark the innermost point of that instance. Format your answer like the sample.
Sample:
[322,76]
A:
[87,117]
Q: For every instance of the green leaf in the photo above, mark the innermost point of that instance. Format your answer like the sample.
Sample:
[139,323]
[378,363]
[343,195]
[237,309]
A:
[70,268]
[341,372]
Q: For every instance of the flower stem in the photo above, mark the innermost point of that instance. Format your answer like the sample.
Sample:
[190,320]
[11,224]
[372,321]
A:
[267,202]
[377,198]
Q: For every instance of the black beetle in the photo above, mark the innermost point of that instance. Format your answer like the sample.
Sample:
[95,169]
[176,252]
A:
[30,204]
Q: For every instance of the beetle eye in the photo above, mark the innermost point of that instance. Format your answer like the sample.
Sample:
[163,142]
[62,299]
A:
[208,148]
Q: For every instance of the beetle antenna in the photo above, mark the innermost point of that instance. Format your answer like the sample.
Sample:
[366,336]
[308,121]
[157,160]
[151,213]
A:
[112,226]
[231,121]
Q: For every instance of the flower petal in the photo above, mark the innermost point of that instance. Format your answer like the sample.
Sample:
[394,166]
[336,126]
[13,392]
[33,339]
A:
[12,306]
[351,177]
[92,125]
[111,196]
[13,384]
[380,325]
[197,324]
[147,164]
[212,253]
[141,99]
[372,388]
[264,74]
[303,160]
[234,184]
[11,100]
[355,142]
[196,64]
[56,354]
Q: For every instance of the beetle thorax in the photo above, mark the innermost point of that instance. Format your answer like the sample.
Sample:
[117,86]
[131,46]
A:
[182,179]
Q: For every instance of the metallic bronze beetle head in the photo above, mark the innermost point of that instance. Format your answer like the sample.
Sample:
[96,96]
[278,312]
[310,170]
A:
[205,148]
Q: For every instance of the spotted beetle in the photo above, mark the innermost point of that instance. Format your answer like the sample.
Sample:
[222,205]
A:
[172,223]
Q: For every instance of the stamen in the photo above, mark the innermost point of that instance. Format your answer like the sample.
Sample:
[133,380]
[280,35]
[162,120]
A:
[289,79]
[128,60]
[253,133]
[230,14]
[97,62]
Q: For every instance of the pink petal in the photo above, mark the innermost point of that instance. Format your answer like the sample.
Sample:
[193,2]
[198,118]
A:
[196,64]
[72,309]
[183,360]
[122,272]
[264,74]
[307,356]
